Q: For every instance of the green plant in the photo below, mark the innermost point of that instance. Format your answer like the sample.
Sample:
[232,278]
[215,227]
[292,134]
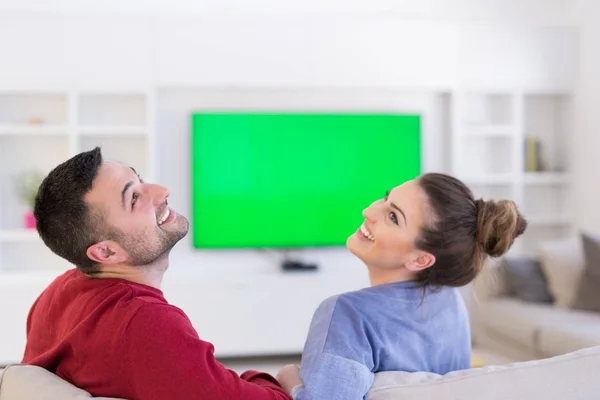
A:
[27,184]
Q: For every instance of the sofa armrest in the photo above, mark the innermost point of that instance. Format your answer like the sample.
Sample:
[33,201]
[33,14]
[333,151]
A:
[28,382]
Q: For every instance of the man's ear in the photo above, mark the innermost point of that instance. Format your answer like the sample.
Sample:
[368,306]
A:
[106,252]
[421,261]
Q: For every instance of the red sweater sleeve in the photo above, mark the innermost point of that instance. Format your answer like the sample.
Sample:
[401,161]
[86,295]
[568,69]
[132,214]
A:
[167,360]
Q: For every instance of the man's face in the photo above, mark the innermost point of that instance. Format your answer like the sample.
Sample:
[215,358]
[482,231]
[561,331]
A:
[140,228]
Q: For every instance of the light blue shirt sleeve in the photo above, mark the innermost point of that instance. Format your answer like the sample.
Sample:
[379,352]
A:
[332,366]
[335,378]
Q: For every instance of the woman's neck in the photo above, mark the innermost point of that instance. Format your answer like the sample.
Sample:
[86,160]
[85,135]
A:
[382,276]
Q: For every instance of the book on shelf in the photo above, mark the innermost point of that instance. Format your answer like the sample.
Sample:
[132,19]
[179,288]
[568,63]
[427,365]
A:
[534,160]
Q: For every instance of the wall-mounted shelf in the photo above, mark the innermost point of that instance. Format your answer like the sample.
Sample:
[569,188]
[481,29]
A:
[19,235]
[511,145]
[555,221]
[113,130]
[547,178]
[33,130]
[484,130]
[488,179]
[39,130]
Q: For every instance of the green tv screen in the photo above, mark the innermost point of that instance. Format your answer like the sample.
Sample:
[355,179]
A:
[291,180]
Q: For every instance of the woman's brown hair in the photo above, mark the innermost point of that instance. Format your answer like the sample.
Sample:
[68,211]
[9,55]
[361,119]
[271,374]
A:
[462,232]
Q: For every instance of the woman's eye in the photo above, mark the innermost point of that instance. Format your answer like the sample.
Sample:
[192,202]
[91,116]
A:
[134,199]
[393,217]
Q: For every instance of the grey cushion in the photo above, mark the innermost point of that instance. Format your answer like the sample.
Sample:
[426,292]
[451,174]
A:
[588,294]
[526,280]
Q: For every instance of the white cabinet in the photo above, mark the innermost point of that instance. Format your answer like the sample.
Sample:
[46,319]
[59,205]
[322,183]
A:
[513,145]
[39,130]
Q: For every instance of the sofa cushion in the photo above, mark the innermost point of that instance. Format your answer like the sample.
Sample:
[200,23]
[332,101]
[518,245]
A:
[526,280]
[588,295]
[576,331]
[491,281]
[514,319]
[26,382]
[563,263]
[572,376]
[565,377]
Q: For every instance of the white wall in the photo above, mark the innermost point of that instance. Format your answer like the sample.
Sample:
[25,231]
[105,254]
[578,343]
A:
[176,106]
[586,136]
[380,54]
[432,43]
[531,11]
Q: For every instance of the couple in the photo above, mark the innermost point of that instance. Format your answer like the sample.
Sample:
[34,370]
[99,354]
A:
[106,327]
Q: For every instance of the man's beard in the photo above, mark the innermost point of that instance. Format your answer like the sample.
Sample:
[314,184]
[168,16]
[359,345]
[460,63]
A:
[149,246]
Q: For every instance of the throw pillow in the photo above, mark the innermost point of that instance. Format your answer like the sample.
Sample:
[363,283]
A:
[563,263]
[526,280]
[588,295]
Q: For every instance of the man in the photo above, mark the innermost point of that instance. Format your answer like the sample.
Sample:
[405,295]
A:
[105,326]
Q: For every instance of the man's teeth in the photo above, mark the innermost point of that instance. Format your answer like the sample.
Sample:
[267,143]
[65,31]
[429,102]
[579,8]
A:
[164,217]
[366,233]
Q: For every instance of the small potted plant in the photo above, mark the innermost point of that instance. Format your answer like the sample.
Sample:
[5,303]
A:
[27,184]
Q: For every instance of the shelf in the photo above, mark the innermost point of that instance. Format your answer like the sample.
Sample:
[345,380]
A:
[127,130]
[550,221]
[495,131]
[489,179]
[40,129]
[32,130]
[546,178]
[19,235]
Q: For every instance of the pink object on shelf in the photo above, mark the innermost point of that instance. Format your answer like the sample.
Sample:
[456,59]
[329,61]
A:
[29,220]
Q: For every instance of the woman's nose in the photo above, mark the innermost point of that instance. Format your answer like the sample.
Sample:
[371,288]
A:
[368,213]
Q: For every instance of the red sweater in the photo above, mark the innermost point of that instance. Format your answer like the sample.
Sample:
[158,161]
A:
[115,338]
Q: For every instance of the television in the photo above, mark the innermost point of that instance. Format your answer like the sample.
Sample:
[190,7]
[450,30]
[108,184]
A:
[294,180]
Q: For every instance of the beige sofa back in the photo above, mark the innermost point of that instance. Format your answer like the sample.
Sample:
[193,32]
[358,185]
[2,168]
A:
[23,382]
[491,282]
[568,377]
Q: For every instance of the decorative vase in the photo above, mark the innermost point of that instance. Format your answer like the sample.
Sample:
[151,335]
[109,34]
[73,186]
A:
[29,220]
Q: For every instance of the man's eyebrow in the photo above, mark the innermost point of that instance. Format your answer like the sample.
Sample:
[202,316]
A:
[124,192]
[137,174]
[401,212]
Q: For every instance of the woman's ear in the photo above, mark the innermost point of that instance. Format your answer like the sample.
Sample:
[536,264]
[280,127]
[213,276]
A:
[106,252]
[422,261]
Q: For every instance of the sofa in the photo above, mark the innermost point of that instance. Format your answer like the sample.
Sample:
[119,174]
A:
[533,324]
[566,377]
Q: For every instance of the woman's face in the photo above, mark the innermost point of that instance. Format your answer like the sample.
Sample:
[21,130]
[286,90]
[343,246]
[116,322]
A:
[386,239]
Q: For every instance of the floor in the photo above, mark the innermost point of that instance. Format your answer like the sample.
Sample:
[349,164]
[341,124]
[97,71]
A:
[489,357]
[270,365]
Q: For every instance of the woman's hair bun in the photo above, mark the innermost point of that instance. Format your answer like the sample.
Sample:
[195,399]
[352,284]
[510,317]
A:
[498,225]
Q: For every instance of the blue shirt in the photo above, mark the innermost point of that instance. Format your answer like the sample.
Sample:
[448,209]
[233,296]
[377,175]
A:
[391,327]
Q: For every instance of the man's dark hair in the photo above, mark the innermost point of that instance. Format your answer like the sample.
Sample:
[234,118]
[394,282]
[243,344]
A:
[64,221]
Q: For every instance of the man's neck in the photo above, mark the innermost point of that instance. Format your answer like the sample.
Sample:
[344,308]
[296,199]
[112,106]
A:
[149,275]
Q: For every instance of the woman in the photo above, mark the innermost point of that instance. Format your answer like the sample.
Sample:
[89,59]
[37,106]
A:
[423,240]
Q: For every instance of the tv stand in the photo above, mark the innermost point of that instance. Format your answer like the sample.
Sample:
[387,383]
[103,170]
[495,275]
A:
[289,265]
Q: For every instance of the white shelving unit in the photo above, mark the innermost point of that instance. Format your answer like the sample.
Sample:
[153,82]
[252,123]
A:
[40,129]
[489,152]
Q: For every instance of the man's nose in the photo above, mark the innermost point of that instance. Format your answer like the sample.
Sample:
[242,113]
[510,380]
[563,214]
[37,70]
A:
[158,194]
